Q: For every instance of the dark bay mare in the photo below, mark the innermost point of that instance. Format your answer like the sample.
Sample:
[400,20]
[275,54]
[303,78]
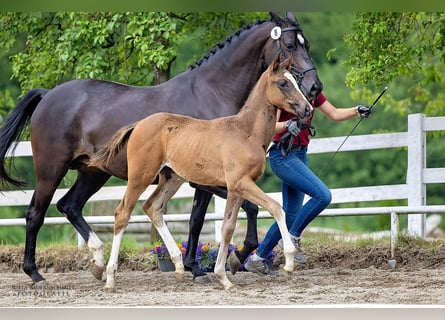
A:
[72,121]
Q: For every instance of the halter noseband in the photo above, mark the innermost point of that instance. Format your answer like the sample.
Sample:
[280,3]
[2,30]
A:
[276,35]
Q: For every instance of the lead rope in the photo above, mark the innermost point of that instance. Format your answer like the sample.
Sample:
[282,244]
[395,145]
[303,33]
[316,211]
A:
[352,130]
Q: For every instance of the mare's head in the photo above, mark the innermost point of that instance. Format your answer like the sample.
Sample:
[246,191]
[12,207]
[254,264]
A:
[282,90]
[287,37]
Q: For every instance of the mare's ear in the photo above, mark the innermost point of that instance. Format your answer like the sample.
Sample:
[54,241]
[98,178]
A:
[291,16]
[276,18]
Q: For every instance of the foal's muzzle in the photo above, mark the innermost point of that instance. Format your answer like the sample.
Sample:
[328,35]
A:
[302,109]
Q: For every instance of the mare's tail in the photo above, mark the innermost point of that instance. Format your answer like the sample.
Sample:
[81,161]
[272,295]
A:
[101,158]
[13,128]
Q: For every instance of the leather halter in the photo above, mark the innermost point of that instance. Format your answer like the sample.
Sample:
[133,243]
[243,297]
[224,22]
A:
[297,73]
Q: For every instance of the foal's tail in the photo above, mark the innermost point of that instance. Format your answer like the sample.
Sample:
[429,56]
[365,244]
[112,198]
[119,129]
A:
[13,128]
[104,156]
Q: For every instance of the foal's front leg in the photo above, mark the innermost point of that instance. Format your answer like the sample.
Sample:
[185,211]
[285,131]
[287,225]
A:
[250,191]
[230,215]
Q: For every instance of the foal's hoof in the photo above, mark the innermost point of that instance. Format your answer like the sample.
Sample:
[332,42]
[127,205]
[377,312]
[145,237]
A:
[234,262]
[180,276]
[229,286]
[110,289]
[97,271]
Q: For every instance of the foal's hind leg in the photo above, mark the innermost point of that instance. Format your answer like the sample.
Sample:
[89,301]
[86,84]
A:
[237,257]
[121,217]
[230,215]
[154,207]
[89,181]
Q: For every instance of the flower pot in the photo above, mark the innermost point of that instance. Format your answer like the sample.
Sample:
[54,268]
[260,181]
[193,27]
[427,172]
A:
[166,265]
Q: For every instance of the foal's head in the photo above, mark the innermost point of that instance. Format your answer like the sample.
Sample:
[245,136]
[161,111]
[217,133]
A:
[283,90]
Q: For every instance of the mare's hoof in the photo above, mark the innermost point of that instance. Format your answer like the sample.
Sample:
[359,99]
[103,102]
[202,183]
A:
[39,285]
[202,280]
[97,271]
[234,262]
[36,277]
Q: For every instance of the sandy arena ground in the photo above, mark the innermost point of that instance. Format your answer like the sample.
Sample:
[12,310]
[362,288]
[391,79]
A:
[330,278]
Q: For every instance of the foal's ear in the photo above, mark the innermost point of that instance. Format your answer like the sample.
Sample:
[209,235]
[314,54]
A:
[288,62]
[276,63]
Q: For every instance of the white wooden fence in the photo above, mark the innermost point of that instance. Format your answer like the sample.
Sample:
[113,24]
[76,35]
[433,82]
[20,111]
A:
[414,190]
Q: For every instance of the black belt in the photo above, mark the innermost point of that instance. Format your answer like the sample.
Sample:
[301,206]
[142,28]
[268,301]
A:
[298,147]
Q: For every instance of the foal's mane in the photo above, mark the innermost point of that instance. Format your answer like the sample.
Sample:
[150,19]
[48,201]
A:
[221,45]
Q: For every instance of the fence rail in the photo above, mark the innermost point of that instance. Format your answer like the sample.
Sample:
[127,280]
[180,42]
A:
[414,190]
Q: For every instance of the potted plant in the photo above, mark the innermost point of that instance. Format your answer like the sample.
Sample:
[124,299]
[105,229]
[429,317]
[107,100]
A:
[206,255]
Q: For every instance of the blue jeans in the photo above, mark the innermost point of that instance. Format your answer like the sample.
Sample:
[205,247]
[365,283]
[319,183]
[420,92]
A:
[296,181]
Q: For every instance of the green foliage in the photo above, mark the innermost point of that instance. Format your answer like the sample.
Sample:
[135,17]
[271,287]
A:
[132,47]
[394,47]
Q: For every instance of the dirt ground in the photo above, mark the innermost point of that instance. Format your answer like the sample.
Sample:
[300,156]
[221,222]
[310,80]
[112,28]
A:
[332,276]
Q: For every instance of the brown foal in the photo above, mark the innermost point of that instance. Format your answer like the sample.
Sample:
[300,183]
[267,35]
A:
[228,151]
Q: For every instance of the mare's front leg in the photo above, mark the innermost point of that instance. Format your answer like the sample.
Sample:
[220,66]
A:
[230,215]
[154,207]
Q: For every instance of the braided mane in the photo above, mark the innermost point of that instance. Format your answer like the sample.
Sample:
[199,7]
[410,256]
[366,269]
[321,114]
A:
[221,45]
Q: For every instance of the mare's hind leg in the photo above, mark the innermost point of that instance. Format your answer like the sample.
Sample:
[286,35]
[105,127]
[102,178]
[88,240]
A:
[201,201]
[89,181]
[230,215]
[154,207]
[49,174]
[35,215]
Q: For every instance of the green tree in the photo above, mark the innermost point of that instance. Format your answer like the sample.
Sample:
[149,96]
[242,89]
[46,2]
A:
[406,48]
[132,47]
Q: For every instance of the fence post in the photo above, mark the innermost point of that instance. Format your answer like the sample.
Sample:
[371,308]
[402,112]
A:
[394,232]
[416,164]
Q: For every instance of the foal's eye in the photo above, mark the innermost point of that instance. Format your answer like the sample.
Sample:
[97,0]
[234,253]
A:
[282,83]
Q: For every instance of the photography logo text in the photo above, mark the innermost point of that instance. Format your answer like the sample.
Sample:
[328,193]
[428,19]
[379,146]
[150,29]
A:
[43,291]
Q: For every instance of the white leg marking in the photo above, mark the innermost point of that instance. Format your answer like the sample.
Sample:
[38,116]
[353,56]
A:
[96,246]
[173,250]
[114,255]
[288,248]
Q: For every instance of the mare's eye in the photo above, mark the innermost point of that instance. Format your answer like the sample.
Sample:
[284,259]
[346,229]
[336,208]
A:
[290,46]
[282,83]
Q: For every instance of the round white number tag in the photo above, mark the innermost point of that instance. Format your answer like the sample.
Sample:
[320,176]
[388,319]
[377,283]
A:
[275,33]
